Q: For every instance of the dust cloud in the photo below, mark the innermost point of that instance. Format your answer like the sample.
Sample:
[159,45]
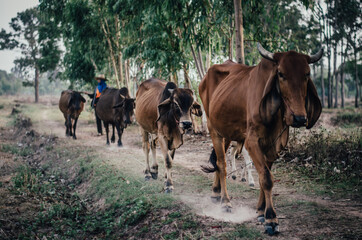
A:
[205,207]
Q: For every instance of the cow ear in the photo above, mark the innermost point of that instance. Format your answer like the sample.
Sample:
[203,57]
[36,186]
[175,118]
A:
[163,108]
[271,100]
[196,109]
[312,104]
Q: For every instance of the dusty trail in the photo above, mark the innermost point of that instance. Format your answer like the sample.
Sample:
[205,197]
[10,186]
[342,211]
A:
[301,216]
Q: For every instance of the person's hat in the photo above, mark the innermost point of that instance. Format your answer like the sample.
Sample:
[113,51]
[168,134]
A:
[101,77]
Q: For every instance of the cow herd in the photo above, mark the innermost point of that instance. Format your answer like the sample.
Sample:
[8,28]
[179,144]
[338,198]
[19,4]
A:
[248,107]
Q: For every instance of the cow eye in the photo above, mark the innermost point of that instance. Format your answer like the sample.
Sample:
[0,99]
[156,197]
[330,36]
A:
[280,75]
[307,75]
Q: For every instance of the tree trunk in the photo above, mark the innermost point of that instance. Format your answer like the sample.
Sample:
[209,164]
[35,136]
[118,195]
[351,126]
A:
[322,83]
[186,74]
[196,62]
[335,75]
[341,75]
[356,79]
[230,49]
[201,61]
[120,64]
[126,73]
[36,84]
[239,41]
[329,80]
[208,56]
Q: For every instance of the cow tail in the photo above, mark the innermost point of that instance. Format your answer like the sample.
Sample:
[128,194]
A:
[212,160]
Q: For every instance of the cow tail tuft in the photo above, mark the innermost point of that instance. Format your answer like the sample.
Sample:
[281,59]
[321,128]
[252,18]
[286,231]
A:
[212,160]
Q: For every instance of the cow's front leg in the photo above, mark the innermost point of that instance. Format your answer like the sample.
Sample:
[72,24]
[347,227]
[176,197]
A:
[106,126]
[113,138]
[154,168]
[168,163]
[75,127]
[220,146]
[120,132]
[265,205]
[146,151]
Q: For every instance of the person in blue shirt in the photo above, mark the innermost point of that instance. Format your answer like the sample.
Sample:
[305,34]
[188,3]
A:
[101,79]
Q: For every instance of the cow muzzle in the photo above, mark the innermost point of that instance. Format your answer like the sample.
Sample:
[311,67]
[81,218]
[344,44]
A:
[299,121]
[185,125]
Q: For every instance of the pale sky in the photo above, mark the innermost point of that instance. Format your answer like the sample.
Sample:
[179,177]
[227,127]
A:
[8,10]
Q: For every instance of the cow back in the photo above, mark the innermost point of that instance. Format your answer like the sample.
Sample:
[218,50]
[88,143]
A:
[109,98]
[148,97]
[64,101]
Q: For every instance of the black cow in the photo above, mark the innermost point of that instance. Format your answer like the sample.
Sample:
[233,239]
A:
[115,107]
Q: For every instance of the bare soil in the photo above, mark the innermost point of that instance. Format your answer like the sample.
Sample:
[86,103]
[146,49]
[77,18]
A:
[302,215]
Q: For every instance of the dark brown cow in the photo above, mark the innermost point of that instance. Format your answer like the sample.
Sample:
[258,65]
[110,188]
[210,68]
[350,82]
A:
[115,107]
[163,111]
[255,107]
[71,104]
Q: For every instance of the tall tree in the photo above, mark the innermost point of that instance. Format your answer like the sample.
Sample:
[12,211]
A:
[37,38]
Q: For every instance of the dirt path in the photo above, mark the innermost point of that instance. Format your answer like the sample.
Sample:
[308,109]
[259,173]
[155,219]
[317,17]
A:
[302,216]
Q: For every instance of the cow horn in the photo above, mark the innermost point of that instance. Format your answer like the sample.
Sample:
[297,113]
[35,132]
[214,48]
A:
[121,96]
[264,53]
[315,58]
[171,90]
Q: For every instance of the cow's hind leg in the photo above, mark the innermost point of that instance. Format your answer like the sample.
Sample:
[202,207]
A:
[248,167]
[106,126]
[265,204]
[75,127]
[70,125]
[120,132]
[233,156]
[113,138]
[154,168]
[220,146]
[146,150]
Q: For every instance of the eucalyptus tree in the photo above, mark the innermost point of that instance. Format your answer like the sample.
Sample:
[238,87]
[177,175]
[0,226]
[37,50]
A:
[37,38]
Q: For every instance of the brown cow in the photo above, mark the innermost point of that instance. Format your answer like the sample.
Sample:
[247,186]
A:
[255,107]
[71,104]
[115,107]
[163,111]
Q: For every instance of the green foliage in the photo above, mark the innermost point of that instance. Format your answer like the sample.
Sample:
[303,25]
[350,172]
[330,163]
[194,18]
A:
[244,232]
[9,84]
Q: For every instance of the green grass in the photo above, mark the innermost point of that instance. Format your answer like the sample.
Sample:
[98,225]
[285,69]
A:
[349,119]
[16,150]
[328,161]
[243,232]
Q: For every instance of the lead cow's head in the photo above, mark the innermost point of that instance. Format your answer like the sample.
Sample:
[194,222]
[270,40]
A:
[290,85]
[177,105]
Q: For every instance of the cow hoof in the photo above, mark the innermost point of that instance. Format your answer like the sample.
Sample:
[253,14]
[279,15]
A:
[227,208]
[261,218]
[120,145]
[107,143]
[113,141]
[271,228]
[215,199]
[147,178]
[251,184]
[154,175]
[74,137]
[233,177]
[243,180]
